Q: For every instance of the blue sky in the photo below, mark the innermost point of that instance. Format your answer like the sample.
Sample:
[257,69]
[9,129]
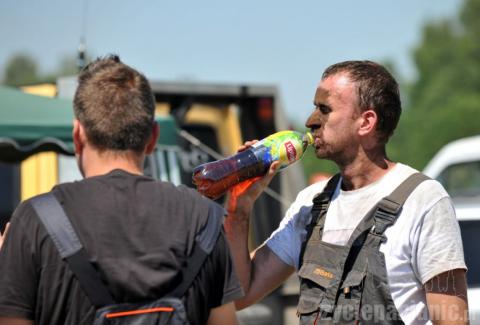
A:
[283,43]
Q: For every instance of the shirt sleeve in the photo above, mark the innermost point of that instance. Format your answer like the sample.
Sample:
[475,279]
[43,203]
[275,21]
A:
[439,248]
[286,241]
[17,267]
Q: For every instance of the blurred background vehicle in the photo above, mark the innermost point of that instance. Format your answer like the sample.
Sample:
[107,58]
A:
[457,167]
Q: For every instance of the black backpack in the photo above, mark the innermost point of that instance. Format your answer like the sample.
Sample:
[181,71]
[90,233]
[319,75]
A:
[166,310]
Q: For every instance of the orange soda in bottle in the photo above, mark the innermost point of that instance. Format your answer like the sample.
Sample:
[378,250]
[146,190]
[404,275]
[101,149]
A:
[213,179]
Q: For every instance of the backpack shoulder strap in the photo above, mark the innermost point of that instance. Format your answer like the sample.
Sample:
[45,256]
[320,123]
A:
[388,209]
[61,231]
[204,244]
[70,248]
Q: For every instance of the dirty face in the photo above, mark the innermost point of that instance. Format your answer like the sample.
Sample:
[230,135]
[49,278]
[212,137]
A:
[335,120]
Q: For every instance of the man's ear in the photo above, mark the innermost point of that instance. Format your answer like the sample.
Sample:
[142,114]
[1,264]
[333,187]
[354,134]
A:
[79,136]
[152,141]
[369,121]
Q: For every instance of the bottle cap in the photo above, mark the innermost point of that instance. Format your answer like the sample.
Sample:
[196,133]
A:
[308,137]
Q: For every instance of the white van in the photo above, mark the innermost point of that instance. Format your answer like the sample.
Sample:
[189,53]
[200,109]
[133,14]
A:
[457,167]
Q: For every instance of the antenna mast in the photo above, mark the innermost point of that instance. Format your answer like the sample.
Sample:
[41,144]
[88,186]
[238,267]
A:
[82,47]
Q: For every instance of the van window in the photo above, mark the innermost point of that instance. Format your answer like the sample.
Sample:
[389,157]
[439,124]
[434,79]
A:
[462,180]
[470,230]
[163,164]
[68,169]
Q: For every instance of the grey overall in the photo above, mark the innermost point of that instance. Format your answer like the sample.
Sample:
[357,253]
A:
[348,284]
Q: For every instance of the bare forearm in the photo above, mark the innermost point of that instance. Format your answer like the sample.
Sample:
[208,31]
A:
[237,234]
[449,310]
[447,298]
[223,315]
[15,321]
[261,271]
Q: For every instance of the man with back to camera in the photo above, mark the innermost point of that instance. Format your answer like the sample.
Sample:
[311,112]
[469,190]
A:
[359,258]
[137,232]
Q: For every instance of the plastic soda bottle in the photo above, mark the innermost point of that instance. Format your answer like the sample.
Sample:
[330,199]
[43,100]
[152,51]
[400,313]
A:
[213,179]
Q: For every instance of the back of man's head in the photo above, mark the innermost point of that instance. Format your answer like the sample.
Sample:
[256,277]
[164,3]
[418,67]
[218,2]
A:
[115,105]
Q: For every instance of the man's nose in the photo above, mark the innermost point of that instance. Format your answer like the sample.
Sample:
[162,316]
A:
[312,121]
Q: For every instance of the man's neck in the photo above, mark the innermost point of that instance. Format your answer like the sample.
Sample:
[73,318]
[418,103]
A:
[364,170]
[97,163]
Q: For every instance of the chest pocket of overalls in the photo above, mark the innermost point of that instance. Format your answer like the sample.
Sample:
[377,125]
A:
[322,296]
[315,282]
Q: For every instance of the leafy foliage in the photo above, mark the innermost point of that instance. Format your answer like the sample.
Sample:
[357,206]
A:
[444,102]
[21,70]
[314,166]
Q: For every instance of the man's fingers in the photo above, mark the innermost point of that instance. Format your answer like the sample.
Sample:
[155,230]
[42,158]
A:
[257,183]
[274,167]
[249,190]
[246,145]
[262,182]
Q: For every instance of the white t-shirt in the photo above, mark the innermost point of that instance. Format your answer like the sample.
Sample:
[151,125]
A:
[424,241]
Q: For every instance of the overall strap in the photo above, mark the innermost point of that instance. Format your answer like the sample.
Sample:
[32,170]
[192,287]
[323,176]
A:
[322,200]
[70,248]
[320,205]
[388,209]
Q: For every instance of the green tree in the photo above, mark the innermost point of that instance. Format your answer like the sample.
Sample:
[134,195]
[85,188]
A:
[21,70]
[66,67]
[444,102]
[312,165]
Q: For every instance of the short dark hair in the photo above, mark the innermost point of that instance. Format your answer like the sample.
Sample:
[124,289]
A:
[115,105]
[377,89]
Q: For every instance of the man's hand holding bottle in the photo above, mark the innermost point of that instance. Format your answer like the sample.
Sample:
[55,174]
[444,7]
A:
[241,197]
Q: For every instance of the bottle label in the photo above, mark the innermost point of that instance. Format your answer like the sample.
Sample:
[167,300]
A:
[284,146]
[291,152]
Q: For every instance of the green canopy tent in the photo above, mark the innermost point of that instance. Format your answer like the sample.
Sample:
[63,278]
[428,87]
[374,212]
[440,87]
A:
[30,124]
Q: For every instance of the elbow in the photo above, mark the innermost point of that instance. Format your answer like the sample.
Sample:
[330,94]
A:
[244,302]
